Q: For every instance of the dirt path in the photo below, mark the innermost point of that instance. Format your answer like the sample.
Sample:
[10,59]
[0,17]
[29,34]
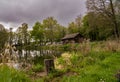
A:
[38,75]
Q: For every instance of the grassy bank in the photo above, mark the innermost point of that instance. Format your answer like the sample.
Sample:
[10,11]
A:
[96,67]
[8,74]
[86,62]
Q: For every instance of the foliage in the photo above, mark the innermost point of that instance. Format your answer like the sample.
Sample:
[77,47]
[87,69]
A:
[95,27]
[72,28]
[3,37]
[38,32]
[47,31]
[108,10]
[51,25]
[75,27]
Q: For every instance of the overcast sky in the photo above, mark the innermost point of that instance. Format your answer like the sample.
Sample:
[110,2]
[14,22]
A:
[15,12]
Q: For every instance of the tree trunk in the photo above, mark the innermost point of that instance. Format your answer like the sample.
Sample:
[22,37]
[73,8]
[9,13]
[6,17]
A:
[116,29]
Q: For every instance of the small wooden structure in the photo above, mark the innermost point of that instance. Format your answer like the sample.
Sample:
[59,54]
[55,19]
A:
[49,65]
[73,38]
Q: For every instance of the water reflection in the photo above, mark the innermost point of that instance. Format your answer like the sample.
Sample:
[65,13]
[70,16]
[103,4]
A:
[33,53]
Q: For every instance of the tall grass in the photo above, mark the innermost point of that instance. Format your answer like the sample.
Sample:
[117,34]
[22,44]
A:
[88,62]
[85,62]
[97,67]
[11,75]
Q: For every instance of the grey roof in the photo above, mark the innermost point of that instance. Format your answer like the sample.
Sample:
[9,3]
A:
[70,36]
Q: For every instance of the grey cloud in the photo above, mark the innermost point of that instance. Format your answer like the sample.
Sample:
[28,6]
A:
[18,11]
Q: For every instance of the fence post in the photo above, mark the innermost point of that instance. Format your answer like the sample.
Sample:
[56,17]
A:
[49,65]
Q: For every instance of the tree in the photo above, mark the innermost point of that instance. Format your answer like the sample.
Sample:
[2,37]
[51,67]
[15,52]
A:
[22,39]
[107,9]
[10,40]
[37,32]
[75,26]
[50,24]
[3,37]
[72,28]
[113,17]
[95,26]
[24,31]
[48,31]
[60,32]
[22,34]
[90,29]
[117,8]
[78,22]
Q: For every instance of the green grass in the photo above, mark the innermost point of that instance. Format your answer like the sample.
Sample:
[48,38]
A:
[38,68]
[95,67]
[11,75]
[103,69]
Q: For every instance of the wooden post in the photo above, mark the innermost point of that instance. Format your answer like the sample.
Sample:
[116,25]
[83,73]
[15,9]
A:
[49,65]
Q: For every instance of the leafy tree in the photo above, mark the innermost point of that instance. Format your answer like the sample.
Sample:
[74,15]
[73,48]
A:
[90,27]
[18,36]
[78,22]
[3,37]
[22,37]
[50,25]
[38,32]
[72,28]
[107,9]
[75,26]
[48,31]
[24,31]
[60,32]
[22,34]
[95,27]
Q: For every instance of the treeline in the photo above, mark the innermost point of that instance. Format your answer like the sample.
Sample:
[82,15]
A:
[48,31]
[3,37]
[101,22]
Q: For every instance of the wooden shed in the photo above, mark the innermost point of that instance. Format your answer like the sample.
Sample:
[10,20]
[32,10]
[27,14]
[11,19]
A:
[73,38]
